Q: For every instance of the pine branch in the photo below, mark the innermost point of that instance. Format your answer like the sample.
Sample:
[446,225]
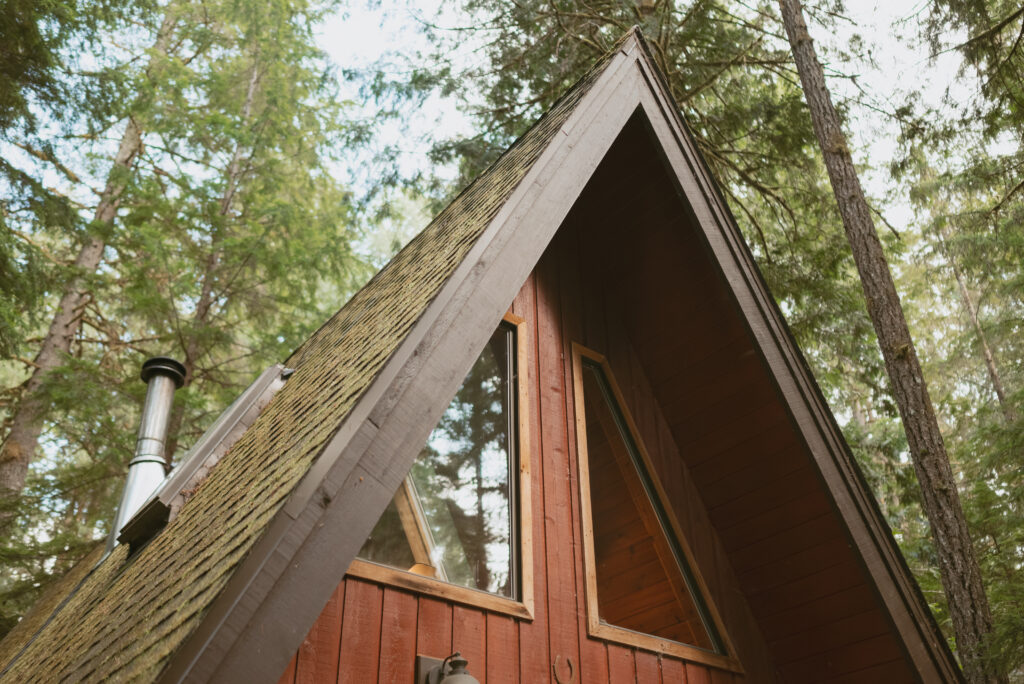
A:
[1006,198]
[50,256]
[988,33]
[50,159]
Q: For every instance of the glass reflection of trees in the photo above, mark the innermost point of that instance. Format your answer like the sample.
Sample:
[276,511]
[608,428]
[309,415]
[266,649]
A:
[454,520]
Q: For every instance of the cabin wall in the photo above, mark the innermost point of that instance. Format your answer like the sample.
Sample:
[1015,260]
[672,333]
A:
[631,275]
[371,632]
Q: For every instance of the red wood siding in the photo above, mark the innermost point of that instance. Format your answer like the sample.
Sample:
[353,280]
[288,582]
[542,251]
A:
[374,632]
[633,281]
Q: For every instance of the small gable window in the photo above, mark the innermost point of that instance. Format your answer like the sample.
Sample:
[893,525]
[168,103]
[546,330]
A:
[455,522]
[641,585]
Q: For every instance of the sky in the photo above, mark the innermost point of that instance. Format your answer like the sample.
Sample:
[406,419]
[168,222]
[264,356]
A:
[362,34]
[366,32]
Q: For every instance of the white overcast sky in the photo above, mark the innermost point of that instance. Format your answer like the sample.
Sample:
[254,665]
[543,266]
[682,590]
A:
[364,32]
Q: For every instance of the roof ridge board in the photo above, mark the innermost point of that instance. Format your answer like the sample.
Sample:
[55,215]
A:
[825,422]
[361,433]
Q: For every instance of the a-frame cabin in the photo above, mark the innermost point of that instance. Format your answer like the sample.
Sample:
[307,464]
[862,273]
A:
[637,480]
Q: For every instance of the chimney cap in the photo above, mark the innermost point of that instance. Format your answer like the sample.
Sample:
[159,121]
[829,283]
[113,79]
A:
[163,365]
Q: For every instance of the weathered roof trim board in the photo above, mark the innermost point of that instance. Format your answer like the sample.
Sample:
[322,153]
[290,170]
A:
[802,397]
[302,556]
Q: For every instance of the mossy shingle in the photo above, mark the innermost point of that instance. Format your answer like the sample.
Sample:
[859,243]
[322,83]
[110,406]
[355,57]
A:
[129,616]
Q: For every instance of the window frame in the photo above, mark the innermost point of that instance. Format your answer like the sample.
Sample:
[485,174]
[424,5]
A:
[595,626]
[522,519]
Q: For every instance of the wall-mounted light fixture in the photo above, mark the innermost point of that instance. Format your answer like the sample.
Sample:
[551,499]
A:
[451,670]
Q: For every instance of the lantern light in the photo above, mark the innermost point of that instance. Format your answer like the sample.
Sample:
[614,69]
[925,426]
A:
[452,670]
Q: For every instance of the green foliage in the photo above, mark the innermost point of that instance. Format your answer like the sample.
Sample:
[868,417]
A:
[32,35]
[231,243]
[733,79]
[994,50]
[966,166]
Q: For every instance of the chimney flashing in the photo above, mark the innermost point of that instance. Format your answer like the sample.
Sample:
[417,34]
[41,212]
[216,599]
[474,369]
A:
[164,503]
[147,469]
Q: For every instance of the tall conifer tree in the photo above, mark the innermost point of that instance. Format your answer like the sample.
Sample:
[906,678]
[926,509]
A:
[958,564]
[217,234]
[26,420]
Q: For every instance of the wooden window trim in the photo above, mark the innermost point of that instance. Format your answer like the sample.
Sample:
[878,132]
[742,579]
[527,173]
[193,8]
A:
[417,531]
[595,626]
[524,607]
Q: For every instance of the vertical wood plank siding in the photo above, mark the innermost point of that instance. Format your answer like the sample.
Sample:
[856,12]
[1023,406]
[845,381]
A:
[319,651]
[382,628]
[563,625]
[360,635]
[534,652]
[633,280]
[398,636]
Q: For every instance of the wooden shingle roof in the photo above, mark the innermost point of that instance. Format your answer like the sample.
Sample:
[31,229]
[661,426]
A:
[228,590]
[128,617]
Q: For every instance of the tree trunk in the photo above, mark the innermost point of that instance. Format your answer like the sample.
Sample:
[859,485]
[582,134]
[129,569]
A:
[26,423]
[990,361]
[958,564]
[191,345]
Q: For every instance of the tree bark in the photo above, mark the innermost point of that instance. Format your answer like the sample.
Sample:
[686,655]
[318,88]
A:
[958,564]
[990,361]
[191,345]
[19,447]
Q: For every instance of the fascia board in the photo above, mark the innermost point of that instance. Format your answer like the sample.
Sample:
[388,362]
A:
[802,396]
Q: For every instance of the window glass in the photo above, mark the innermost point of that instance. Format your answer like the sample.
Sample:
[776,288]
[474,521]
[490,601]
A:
[643,582]
[453,518]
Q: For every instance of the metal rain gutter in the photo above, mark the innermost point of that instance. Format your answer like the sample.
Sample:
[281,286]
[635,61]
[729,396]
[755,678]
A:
[162,375]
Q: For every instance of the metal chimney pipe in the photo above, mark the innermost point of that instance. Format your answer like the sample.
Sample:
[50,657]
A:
[147,469]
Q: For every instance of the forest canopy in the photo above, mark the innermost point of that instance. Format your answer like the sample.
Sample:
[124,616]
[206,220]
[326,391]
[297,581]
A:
[205,181]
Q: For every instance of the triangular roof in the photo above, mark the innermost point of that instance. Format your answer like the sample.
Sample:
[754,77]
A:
[274,527]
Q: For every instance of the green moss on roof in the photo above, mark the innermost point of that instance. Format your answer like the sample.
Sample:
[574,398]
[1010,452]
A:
[50,601]
[129,616]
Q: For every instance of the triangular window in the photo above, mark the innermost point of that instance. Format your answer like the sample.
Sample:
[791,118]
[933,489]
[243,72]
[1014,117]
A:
[456,516]
[640,579]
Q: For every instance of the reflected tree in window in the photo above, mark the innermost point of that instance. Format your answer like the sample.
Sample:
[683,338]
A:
[453,517]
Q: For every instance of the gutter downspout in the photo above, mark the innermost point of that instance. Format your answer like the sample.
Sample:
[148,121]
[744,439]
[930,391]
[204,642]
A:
[162,375]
